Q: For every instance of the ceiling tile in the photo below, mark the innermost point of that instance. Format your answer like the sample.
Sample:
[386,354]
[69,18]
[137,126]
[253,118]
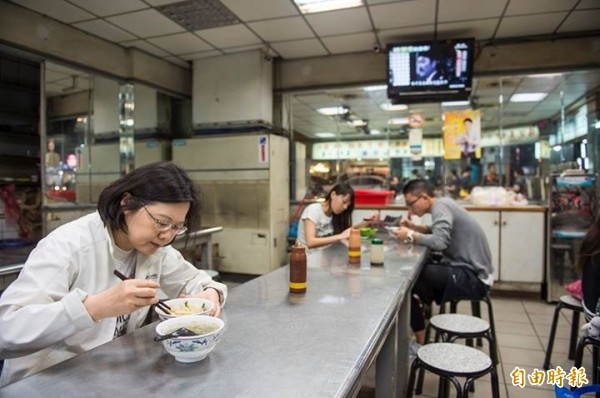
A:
[181,43]
[145,46]
[407,13]
[414,33]
[529,25]
[257,10]
[482,29]
[299,48]
[57,9]
[464,10]
[350,43]
[588,4]
[229,36]
[199,55]
[104,30]
[232,50]
[146,23]
[110,7]
[161,2]
[282,29]
[338,22]
[179,61]
[581,20]
[520,7]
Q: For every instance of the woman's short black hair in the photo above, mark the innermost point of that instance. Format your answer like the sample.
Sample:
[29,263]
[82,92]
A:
[343,220]
[163,182]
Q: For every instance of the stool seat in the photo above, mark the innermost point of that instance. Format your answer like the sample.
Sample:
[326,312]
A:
[459,324]
[457,359]
[570,301]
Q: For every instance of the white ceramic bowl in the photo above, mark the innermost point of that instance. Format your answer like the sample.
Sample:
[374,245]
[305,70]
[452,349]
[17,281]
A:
[190,348]
[194,306]
[392,231]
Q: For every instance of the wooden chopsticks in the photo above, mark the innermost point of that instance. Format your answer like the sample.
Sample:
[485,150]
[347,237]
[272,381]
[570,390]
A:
[164,307]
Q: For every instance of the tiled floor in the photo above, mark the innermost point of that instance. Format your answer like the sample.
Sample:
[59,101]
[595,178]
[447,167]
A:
[522,328]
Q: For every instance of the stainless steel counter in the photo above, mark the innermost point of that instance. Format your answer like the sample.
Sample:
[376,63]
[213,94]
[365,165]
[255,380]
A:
[319,344]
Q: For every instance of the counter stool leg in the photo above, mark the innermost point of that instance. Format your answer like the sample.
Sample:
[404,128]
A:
[476,311]
[552,335]
[411,378]
[574,333]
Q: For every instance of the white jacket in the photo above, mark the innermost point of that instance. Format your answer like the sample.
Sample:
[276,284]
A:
[42,317]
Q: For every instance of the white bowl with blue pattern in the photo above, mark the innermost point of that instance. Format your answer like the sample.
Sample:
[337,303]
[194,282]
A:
[191,348]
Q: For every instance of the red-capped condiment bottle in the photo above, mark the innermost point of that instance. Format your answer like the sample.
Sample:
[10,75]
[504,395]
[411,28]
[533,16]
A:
[354,247]
[298,269]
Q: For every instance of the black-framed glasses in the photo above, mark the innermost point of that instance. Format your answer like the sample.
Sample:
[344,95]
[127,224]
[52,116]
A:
[164,226]
[410,204]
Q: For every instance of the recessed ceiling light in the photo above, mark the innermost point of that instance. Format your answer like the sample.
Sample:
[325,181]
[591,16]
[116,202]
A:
[325,135]
[359,123]
[310,6]
[455,103]
[375,132]
[398,120]
[390,108]
[528,97]
[375,88]
[334,110]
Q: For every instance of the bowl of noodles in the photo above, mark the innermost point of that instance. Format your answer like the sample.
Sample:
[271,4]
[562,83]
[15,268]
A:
[194,348]
[185,306]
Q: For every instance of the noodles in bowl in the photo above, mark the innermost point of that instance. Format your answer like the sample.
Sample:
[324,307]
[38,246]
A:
[185,306]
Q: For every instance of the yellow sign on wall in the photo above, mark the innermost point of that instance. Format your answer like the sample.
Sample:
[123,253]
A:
[462,134]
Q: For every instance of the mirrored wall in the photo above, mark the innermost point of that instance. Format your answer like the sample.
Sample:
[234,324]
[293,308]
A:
[527,127]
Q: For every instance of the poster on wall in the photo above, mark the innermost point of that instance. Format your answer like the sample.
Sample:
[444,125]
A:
[263,149]
[462,134]
[415,134]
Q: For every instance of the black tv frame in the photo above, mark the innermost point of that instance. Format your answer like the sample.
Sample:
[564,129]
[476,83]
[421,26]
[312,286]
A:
[434,92]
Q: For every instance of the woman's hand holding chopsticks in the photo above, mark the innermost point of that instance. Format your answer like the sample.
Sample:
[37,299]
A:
[123,298]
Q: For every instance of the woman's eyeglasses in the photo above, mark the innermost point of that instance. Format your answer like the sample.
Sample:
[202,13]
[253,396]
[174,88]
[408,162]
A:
[164,226]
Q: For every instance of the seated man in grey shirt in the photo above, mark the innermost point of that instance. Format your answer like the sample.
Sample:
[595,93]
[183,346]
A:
[465,270]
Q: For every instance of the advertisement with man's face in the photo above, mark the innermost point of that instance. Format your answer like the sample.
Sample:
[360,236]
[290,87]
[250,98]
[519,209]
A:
[462,134]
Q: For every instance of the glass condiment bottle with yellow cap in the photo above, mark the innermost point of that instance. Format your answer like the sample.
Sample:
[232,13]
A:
[298,269]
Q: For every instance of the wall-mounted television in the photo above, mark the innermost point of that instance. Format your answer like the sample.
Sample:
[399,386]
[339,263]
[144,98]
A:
[429,71]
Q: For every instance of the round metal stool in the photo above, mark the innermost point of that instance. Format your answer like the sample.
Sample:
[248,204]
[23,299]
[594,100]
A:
[450,361]
[571,303]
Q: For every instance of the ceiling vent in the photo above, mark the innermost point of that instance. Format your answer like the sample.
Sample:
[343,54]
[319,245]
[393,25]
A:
[199,14]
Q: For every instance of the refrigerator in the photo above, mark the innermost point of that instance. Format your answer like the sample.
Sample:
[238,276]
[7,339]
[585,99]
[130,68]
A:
[572,210]
[244,180]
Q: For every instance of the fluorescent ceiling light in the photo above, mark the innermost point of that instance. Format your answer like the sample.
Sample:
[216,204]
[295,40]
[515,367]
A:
[546,75]
[528,97]
[325,135]
[390,108]
[310,6]
[359,123]
[375,88]
[375,132]
[334,110]
[398,120]
[455,103]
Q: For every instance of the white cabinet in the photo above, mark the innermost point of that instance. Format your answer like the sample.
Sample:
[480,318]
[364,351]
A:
[490,221]
[516,239]
[522,247]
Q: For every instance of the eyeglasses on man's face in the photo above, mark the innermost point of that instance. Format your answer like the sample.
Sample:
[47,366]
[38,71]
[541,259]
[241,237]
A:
[164,226]
[412,202]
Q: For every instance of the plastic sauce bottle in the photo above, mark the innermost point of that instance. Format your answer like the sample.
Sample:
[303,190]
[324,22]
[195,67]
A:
[377,252]
[298,269]
[354,247]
